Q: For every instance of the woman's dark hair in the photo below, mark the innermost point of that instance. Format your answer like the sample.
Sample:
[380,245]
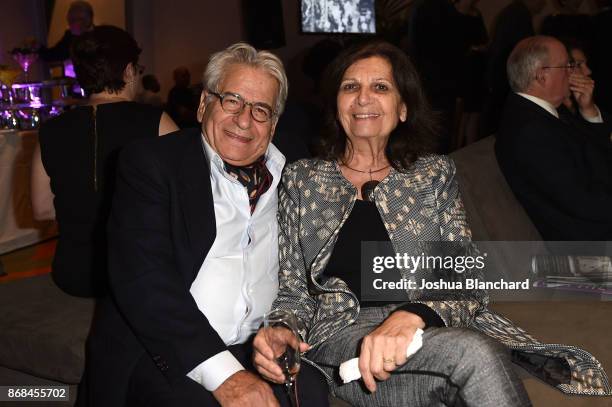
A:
[410,139]
[572,44]
[100,57]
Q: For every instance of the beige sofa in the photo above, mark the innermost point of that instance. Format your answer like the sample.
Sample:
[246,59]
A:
[494,214]
[42,336]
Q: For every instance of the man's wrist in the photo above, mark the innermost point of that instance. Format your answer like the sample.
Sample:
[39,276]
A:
[590,112]
[229,380]
[214,371]
[234,384]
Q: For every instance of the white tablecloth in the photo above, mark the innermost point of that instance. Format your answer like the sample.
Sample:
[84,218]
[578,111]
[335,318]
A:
[17,227]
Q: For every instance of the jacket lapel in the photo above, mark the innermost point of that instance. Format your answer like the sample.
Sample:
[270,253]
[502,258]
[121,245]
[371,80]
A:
[195,197]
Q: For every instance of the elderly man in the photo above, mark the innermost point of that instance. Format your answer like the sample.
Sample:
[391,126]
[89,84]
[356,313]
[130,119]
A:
[193,255]
[558,166]
[80,19]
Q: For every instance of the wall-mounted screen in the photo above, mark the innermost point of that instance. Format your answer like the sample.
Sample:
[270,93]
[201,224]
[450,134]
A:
[338,16]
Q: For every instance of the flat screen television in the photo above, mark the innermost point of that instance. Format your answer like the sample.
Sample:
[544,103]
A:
[338,16]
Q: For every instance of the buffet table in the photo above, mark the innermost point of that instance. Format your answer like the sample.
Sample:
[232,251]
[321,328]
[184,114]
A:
[17,226]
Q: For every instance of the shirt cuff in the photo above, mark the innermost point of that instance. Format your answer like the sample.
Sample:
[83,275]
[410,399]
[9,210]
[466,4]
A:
[429,316]
[596,119]
[215,370]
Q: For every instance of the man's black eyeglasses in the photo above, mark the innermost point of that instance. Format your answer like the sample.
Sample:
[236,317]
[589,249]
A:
[570,66]
[233,103]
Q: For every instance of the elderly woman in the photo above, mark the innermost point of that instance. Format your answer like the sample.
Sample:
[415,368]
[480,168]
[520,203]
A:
[73,168]
[375,181]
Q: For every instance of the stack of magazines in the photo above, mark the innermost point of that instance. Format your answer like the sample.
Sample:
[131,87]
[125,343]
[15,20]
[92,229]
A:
[592,274]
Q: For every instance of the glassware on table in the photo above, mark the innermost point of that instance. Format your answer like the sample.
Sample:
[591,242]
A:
[29,119]
[7,78]
[25,61]
[21,94]
[5,94]
[280,328]
[8,121]
[28,93]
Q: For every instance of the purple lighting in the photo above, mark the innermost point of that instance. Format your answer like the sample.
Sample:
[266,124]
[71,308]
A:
[69,69]
[25,60]
[35,103]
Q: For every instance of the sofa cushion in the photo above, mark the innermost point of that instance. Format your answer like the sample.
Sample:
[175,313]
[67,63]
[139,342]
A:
[43,330]
[580,323]
[492,209]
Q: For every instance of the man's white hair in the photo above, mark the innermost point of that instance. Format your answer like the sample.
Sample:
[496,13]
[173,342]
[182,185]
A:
[244,54]
[526,58]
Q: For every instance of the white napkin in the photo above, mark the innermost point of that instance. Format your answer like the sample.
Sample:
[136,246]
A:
[349,370]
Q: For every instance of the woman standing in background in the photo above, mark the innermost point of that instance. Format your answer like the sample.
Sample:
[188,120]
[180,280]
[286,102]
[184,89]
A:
[73,169]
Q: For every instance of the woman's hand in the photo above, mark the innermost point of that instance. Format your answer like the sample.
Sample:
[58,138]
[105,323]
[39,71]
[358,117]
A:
[384,349]
[269,344]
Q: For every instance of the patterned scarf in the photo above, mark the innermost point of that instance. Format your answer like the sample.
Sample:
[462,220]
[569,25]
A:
[255,177]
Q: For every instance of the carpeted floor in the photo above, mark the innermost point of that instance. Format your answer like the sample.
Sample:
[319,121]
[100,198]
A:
[28,262]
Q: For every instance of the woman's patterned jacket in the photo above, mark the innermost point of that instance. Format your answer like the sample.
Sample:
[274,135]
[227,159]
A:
[419,205]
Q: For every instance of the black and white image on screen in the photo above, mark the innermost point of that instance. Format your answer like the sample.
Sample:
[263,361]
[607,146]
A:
[338,16]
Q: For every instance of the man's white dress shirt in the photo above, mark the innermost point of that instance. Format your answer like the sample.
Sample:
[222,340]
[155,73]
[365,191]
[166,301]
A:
[238,280]
[552,110]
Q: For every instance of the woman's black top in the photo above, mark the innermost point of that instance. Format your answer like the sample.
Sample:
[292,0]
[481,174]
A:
[81,161]
[364,224]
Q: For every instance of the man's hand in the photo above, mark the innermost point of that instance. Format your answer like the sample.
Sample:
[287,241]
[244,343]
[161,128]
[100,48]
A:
[269,344]
[384,349]
[244,389]
[582,88]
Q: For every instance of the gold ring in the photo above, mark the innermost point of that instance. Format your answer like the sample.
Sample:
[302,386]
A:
[392,360]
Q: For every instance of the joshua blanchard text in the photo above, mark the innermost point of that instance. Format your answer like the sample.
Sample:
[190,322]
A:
[467,284]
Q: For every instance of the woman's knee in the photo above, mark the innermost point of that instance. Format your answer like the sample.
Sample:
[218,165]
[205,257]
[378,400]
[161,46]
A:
[477,347]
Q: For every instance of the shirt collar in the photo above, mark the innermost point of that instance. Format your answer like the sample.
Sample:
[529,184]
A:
[275,160]
[542,103]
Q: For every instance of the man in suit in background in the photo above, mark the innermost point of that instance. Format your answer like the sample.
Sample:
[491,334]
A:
[80,20]
[193,256]
[557,166]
